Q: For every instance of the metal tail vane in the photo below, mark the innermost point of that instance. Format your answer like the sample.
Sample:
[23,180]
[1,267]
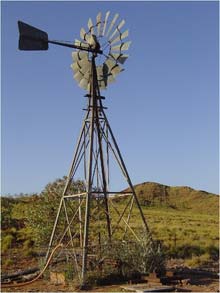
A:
[89,221]
[34,39]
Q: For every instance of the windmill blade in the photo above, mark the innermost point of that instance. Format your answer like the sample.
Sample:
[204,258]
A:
[111,78]
[114,33]
[116,48]
[79,55]
[84,66]
[125,46]
[81,64]
[102,84]
[83,34]
[75,56]
[121,24]
[90,26]
[116,70]
[99,70]
[121,47]
[121,58]
[84,62]
[78,76]
[75,67]
[98,19]
[84,83]
[120,37]
[117,29]
[105,22]
[112,23]
[82,69]
[104,76]
[110,64]
[87,75]
[81,44]
[83,78]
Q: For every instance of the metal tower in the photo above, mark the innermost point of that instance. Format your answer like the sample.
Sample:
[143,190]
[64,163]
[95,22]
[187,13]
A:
[89,221]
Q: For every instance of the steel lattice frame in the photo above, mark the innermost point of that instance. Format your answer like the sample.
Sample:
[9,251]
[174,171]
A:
[91,153]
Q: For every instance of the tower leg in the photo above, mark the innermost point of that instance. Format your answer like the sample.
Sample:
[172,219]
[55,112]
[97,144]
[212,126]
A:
[88,189]
[67,184]
[103,175]
[126,173]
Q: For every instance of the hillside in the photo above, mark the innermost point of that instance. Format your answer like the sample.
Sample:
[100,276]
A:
[177,197]
[185,220]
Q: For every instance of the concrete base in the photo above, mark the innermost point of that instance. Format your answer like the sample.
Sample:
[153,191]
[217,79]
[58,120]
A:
[141,288]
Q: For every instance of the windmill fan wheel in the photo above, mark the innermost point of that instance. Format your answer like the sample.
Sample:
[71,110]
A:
[109,35]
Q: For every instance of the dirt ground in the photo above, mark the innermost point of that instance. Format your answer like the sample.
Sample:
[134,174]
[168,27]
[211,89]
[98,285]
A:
[188,282]
[194,284]
[44,286]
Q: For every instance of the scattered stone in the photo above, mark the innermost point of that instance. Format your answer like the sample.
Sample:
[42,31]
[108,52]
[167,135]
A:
[57,278]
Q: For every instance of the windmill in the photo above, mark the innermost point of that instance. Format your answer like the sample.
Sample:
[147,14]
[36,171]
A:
[91,219]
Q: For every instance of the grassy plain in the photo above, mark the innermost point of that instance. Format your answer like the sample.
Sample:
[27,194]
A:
[184,220]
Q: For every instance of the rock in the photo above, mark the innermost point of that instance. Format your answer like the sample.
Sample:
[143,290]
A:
[57,278]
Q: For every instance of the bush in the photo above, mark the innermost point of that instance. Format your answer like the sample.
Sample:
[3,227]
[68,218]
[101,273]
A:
[121,261]
[198,261]
[28,244]
[213,252]
[185,251]
[6,242]
[40,212]
[29,252]
[8,262]
[69,272]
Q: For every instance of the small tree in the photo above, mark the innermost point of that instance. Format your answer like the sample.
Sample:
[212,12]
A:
[41,213]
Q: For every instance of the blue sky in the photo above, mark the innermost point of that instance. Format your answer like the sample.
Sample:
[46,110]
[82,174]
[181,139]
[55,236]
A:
[163,108]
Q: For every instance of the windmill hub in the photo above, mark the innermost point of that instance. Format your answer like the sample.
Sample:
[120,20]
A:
[93,42]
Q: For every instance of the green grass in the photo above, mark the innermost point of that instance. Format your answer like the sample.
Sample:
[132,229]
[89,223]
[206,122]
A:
[185,220]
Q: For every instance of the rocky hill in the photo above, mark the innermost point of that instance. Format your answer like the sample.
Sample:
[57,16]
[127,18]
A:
[177,197]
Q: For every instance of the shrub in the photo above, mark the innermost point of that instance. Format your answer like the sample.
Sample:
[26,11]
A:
[6,242]
[198,261]
[8,262]
[185,251]
[69,271]
[128,260]
[29,252]
[28,244]
[213,252]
